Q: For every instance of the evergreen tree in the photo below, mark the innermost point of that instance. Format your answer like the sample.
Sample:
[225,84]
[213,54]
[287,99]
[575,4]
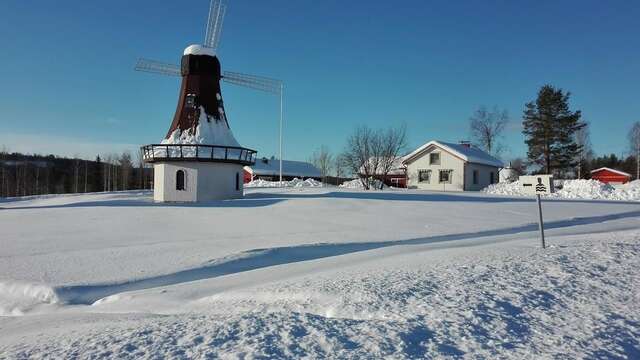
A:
[549,128]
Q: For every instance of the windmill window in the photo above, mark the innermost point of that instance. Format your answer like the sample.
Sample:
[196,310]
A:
[180,183]
[475,177]
[237,181]
[190,101]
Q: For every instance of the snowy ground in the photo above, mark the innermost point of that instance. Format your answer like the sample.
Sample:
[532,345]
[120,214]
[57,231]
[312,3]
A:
[318,272]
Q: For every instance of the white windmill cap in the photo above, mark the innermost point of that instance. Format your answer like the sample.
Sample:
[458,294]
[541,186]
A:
[199,50]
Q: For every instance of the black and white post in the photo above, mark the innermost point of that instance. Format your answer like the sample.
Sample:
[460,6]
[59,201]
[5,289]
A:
[540,221]
[538,185]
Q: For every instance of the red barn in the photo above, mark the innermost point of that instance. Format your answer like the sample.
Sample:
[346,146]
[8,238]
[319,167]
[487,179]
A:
[610,176]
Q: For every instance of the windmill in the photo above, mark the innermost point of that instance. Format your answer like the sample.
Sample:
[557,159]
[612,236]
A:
[200,138]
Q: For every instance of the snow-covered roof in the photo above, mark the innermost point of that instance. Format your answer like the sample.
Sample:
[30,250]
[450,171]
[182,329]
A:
[199,50]
[466,152]
[271,167]
[612,170]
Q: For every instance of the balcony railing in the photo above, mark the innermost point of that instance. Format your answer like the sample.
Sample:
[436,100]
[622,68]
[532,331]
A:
[192,152]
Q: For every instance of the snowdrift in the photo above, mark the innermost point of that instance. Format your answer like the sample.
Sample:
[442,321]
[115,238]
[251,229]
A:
[576,189]
[357,184]
[295,183]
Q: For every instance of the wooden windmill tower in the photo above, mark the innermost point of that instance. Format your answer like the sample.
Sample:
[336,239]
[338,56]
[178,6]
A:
[199,158]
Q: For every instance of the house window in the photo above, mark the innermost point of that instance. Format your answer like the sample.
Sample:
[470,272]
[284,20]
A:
[445,176]
[424,176]
[492,178]
[180,180]
[475,177]
[434,159]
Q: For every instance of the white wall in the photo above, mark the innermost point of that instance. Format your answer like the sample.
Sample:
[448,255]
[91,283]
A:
[484,176]
[204,181]
[447,162]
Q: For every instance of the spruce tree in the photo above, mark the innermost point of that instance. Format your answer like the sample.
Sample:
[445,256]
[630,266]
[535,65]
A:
[549,130]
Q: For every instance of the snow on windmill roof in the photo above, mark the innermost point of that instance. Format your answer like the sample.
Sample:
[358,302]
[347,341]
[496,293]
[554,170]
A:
[271,167]
[209,131]
[464,151]
[612,170]
[199,50]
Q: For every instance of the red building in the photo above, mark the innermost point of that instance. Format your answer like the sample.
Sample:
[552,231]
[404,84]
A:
[610,176]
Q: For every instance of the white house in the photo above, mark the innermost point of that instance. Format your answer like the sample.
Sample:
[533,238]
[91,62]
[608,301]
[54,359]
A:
[443,166]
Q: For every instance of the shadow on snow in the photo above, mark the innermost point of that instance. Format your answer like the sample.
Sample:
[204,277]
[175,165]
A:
[261,258]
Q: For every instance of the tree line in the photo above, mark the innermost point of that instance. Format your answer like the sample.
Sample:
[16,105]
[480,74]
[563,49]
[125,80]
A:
[24,175]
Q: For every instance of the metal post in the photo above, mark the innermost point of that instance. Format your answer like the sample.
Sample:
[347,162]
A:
[281,120]
[540,221]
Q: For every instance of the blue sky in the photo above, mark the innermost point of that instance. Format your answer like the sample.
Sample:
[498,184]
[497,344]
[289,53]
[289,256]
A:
[68,85]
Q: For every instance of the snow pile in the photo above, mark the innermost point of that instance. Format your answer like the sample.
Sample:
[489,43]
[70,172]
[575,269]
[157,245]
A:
[208,132]
[504,188]
[296,182]
[305,183]
[17,297]
[357,184]
[586,189]
[575,189]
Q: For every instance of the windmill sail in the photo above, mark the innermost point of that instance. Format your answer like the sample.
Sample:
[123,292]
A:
[157,67]
[261,83]
[214,24]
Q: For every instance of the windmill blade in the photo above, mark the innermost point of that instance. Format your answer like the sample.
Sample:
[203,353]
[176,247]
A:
[261,83]
[214,24]
[157,67]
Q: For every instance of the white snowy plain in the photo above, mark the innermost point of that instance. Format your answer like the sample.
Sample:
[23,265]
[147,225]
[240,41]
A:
[318,272]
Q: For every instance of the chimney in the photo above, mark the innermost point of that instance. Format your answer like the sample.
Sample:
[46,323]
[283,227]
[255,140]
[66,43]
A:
[465,143]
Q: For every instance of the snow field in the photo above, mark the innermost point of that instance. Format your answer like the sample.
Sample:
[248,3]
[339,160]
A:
[575,299]
[318,272]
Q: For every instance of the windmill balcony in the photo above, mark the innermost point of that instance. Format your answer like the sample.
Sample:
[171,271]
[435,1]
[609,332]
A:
[195,152]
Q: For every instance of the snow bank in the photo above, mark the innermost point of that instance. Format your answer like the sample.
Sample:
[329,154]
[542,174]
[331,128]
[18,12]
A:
[18,297]
[208,132]
[296,182]
[357,184]
[575,189]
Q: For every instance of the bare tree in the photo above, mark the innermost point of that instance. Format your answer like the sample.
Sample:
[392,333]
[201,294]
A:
[76,171]
[340,166]
[3,173]
[519,165]
[583,140]
[323,160]
[140,161]
[487,128]
[372,154]
[358,152]
[392,142]
[126,164]
[634,144]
